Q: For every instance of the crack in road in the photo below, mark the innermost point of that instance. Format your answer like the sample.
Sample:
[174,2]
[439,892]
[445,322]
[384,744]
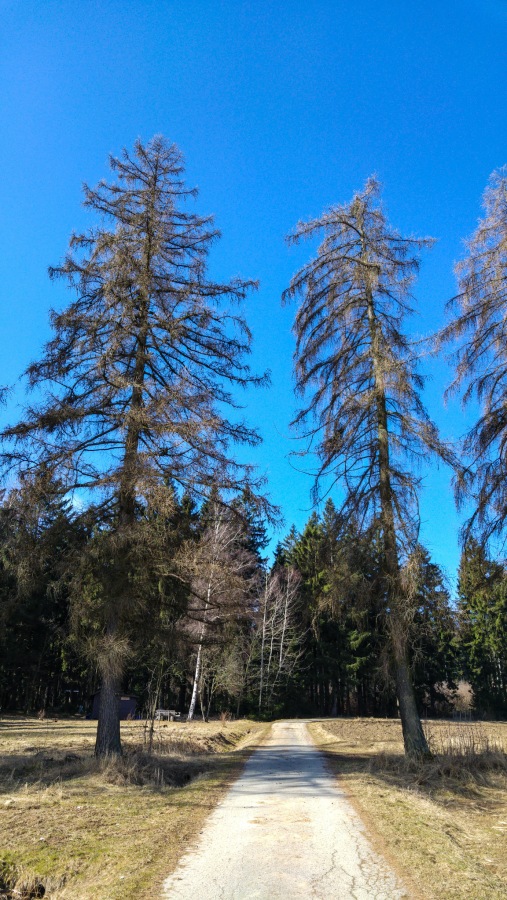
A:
[284,830]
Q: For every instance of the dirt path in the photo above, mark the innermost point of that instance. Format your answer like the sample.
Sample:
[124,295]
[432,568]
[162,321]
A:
[284,830]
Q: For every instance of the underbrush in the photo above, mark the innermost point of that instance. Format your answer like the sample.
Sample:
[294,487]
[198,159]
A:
[173,762]
[133,768]
[463,754]
[441,821]
[143,769]
[18,885]
[75,827]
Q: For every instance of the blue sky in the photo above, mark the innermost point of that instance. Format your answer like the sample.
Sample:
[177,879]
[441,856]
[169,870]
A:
[280,110]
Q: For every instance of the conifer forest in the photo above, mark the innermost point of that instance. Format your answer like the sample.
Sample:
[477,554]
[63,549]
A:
[134,528]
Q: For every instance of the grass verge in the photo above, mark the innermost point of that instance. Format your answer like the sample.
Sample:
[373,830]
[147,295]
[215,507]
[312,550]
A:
[442,824]
[74,828]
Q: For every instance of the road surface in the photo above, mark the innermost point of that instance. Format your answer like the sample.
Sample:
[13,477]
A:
[284,830]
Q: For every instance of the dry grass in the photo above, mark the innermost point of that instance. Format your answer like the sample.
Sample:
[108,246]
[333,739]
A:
[442,822]
[81,829]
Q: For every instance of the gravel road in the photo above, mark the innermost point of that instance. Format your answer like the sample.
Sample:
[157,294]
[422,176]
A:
[284,830]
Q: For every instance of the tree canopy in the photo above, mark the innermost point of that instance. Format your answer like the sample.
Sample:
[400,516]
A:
[133,526]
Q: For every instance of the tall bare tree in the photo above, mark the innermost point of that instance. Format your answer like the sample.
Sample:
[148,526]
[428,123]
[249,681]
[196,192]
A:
[479,325]
[222,575]
[134,388]
[364,416]
[279,633]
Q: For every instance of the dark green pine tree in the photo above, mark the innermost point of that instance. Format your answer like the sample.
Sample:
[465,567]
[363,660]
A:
[38,535]
[304,553]
[284,548]
[341,604]
[355,601]
[254,524]
[434,638]
[482,610]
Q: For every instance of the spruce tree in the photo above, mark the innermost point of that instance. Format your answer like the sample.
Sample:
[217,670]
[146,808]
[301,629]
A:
[364,416]
[433,634]
[135,388]
[38,533]
[482,616]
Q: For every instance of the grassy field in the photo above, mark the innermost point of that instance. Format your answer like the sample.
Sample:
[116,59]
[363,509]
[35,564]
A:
[442,824]
[80,830]
[114,831]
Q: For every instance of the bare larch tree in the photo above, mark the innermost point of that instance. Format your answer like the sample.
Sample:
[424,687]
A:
[365,418]
[479,325]
[134,390]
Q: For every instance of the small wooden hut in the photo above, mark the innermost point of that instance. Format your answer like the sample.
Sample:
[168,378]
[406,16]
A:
[128,706]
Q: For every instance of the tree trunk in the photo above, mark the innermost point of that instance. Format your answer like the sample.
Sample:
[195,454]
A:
[153,704]
[263,641]
[108,730]
[413,735]
[211,691]
[238,704]
[197,675]
[334,702]
[198,662]
[108,741]
[201,702]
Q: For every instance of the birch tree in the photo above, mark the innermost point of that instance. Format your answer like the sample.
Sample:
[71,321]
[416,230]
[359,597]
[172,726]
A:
[278,633]
[364,416]
[134,390]
[221,573]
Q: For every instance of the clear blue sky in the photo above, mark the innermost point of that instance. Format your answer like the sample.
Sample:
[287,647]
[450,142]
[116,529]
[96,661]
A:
[281,109]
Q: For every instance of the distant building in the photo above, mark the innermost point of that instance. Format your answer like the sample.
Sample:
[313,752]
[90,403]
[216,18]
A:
[128,706]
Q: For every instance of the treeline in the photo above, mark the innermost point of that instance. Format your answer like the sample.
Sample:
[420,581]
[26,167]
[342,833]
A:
[218,631]
[345,665]
[207,627]
[132,536]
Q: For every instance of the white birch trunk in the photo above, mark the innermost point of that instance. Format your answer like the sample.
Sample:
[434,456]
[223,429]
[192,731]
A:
[263,640]
[197,675]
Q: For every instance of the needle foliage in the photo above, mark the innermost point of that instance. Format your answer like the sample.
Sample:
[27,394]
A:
[364,416]
[478,325]
[135,391]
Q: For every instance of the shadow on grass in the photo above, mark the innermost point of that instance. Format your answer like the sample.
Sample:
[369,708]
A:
[154,771]
[444,777]
[177,765]
[91,807]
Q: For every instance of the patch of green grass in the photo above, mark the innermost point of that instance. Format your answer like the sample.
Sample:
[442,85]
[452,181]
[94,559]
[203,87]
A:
[114,830]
